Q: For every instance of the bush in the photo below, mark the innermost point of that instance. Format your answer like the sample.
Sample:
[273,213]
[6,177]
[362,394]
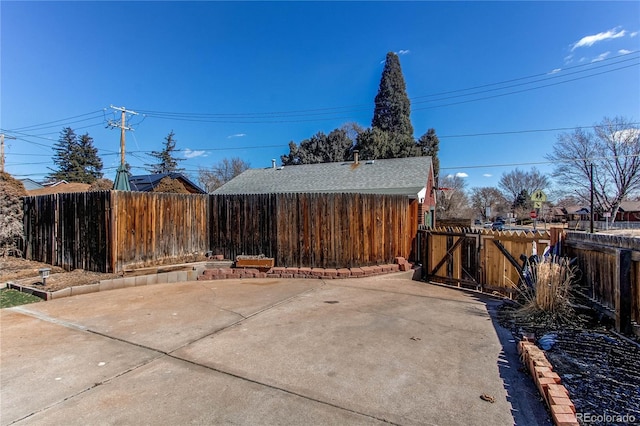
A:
[102,184]
[171,186]
[11,228]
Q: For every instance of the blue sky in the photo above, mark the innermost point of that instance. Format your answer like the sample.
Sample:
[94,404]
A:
[242,79]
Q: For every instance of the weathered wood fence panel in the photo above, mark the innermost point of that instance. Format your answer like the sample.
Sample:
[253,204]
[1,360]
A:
[610,274]
[158,228]
[112,231]
[69,230]
[314,230]
[480,259]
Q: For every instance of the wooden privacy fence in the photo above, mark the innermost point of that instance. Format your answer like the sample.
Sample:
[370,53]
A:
[315,230]
[479,259]
[72,230]
[111,231]
[609,274]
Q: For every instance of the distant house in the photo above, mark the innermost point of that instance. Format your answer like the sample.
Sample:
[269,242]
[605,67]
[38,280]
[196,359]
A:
[30,184]
[147,183]
[629,211]
[412,177]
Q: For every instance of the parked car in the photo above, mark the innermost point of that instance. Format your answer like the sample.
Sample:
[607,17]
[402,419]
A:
[498,225]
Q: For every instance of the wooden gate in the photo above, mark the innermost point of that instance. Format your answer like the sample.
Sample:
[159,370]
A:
[478,259]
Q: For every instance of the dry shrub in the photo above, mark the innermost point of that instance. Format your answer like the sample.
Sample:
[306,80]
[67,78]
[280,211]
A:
[171,186]
[102,184]
[11,228]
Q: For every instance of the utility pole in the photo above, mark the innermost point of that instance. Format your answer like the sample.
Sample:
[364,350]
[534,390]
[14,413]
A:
[2,137]
[123,127]
[591,207]
[122,177]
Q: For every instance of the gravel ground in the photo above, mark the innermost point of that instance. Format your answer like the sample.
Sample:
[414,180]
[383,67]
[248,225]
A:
[25,272]
[600,369]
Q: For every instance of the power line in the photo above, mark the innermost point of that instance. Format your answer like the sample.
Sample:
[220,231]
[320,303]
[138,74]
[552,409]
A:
[269,117]
[276,116]
[56,121]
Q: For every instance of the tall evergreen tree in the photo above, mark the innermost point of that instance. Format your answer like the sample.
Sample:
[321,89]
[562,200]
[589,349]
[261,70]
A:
[91,169]
[167,162]
[320,148]
[392,106]
[391,116]
[76,159]
[429,145]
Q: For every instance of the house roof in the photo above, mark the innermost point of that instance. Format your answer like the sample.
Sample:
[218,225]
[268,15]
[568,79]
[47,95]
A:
[630,206]
[60,187]
[30,184]
[146,183]
[404,176]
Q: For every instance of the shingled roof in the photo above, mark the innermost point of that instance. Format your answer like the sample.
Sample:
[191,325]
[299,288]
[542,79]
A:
[404,176]
[146,183]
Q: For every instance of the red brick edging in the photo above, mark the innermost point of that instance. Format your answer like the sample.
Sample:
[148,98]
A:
[548,383]
[302,272]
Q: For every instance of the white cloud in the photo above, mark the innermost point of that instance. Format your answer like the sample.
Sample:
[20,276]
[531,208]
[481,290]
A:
[462,175]
[487,175]
[568,59]
[555,71]
[403,52]
[193,154]
[633,34]
[601,57]
[237,135]
[624,51]
[590,40]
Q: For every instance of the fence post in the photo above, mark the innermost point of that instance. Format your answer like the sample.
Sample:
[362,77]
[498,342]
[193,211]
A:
[623,291]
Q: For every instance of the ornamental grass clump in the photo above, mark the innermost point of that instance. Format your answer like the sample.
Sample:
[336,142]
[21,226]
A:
[549,296]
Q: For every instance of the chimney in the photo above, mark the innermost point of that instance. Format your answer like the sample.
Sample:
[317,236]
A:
[355,156]
[273,163]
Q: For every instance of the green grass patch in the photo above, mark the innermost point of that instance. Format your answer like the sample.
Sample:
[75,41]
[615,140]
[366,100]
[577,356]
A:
[10,297]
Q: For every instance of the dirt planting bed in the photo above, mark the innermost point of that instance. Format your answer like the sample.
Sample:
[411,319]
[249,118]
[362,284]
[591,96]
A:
[25,272]
[599,368]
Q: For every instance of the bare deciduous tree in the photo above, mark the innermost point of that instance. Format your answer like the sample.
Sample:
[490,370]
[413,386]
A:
[515,182]
[453,202]
[614,150]
[484,197]
[221,173]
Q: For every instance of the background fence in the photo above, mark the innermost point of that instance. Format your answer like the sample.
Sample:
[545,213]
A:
[610,274]
[112,231]
[71,230]
[316,230]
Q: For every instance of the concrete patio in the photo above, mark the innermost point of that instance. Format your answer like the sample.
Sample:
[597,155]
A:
[382,349]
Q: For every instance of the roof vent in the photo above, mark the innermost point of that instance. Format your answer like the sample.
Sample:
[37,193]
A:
[273,163]
[355,156]
[370,162]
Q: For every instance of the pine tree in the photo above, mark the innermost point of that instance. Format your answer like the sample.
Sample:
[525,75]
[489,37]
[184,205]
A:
[429,145]
[167,163]
[391,133]
[77,159]
[91,164]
